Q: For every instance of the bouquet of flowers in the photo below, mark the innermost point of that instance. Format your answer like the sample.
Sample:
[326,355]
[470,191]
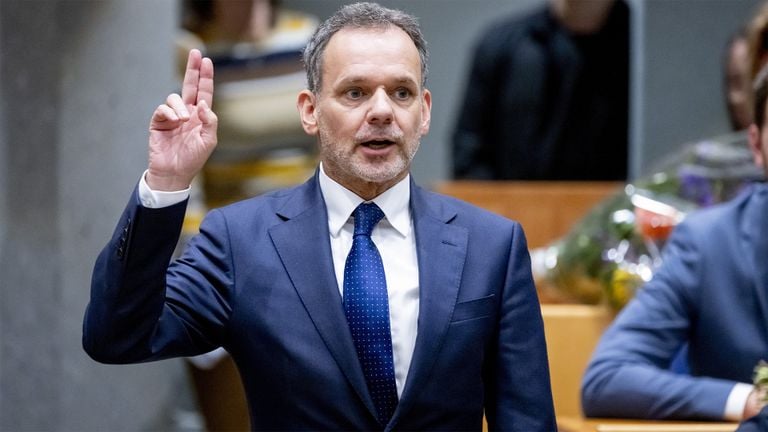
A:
[617,246]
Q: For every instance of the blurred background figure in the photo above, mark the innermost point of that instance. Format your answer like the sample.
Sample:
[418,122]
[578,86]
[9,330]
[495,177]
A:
[256,48]
[227,26]
[737,79]
[547,96]
[745,54]
[757,35]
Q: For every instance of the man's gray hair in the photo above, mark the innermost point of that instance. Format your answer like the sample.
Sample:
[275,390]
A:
[360,16]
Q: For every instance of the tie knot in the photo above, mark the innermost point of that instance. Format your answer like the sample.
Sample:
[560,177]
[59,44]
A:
[366,215]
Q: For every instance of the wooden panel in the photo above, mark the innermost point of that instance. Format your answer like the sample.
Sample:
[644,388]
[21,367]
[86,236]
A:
[546,210]
[572,332]
[578,424]
[220,396]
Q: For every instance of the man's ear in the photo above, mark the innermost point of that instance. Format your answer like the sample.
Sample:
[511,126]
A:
[426,112]
[306,104]
[756,145]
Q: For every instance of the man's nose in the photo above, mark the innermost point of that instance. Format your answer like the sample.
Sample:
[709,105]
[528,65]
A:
[380,110]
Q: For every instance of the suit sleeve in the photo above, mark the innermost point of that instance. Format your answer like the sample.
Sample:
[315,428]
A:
[628,374]
[142,306]
[520,396]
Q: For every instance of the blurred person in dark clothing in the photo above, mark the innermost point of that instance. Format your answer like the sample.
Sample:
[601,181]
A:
[547,96]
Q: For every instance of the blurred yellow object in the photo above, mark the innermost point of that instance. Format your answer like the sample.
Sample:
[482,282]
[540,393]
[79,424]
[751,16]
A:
[225,182]
[191,223]
[260,113]
[622,287]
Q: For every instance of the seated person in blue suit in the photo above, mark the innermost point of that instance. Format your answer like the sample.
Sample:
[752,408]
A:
[711,292]
[356,301]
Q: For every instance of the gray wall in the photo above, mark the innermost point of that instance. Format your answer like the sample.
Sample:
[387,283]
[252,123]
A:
[79,80]
[677,73]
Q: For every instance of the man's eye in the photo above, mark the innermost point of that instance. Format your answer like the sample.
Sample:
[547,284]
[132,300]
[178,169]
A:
[402,93]
[354,93]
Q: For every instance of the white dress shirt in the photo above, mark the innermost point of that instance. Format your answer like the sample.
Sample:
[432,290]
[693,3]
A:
[393,236]
[737,401]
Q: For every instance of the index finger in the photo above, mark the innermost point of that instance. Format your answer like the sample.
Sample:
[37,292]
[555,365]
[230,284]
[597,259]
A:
[191,84]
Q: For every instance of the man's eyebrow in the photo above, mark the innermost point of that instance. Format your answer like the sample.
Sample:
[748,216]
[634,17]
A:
[354,79]
[407,80]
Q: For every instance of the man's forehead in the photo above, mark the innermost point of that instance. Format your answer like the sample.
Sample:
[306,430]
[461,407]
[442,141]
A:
[351,42]
[354,32]
[352,47]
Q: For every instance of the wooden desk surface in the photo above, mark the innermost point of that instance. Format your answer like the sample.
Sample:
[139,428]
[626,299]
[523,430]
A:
[573,424]
[547,210]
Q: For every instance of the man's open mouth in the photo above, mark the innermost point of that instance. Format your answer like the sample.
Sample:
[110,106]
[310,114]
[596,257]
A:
[377,144]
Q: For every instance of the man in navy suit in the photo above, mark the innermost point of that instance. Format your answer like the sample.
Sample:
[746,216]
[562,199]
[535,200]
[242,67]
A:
[711,293]
[265,277]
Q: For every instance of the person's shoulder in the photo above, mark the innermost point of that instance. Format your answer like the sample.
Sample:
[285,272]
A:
[728,212]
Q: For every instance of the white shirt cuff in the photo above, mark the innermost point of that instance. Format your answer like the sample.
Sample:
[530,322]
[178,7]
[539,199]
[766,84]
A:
[159,199]
[737,400]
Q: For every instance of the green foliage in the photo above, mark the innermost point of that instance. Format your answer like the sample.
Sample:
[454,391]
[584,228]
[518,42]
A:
[617,246]
[760,380]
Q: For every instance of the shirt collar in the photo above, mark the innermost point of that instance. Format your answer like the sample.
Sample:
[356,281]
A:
[341,202]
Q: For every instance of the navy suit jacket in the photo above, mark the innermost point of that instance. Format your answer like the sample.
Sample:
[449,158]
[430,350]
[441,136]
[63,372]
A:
[259,281]
[711,292]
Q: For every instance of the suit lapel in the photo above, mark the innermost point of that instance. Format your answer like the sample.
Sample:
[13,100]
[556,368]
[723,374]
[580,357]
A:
[441,250]
[309,265]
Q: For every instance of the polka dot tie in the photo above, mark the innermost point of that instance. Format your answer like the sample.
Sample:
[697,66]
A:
[367,310]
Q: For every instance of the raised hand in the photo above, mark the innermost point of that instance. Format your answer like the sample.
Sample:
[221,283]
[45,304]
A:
[182,132]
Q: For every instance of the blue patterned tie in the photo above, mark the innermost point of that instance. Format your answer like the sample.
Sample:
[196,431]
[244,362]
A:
[367,310]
